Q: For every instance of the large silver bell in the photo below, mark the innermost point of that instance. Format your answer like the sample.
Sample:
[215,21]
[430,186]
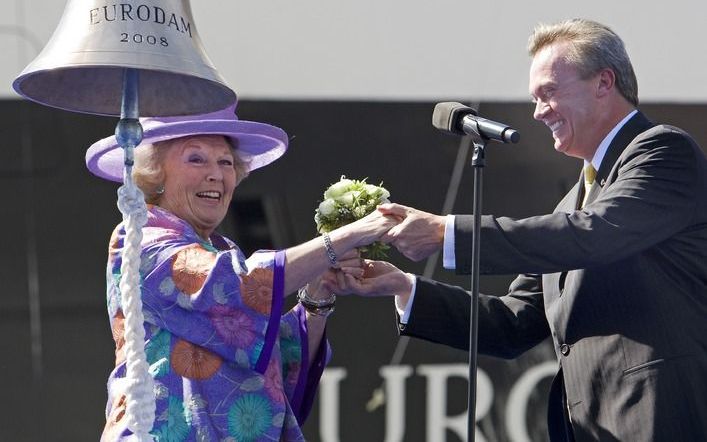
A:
[81,69]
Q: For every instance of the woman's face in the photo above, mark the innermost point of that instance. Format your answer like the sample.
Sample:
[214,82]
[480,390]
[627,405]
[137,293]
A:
[199,181]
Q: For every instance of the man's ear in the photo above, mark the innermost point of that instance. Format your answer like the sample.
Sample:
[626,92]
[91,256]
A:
[607,81]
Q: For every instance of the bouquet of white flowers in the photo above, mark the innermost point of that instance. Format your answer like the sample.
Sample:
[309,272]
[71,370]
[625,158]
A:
[348,200]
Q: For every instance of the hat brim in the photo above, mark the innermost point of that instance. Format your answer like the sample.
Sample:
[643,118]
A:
[258,144]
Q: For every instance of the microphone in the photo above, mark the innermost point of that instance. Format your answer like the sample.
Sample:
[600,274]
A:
[454,117]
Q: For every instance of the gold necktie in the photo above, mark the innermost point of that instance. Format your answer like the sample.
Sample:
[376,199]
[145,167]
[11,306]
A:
[590,173]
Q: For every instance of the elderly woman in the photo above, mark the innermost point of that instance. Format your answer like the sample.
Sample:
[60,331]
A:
[227,363]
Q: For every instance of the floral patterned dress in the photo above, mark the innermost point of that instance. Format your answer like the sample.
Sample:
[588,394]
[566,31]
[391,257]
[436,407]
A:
[228,365]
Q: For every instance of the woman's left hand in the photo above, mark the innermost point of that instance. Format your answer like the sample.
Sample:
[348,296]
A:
[370,228]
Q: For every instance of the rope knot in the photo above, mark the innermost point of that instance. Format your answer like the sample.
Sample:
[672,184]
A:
[131,201]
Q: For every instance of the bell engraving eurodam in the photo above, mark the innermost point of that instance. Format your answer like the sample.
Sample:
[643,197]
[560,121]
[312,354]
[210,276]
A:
[81,68]
[142,12]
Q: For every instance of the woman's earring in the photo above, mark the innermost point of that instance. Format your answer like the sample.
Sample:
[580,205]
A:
[160,190]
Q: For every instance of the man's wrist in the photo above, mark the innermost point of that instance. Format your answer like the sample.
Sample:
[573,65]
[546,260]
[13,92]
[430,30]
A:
[403,301]
[448,252]
[441,228]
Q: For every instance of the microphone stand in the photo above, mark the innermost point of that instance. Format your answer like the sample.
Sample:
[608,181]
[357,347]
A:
[478,162]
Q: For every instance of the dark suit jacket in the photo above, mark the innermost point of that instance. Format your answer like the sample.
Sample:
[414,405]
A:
[620,285]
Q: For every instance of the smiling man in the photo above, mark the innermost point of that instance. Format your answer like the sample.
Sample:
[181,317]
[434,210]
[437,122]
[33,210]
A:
[616,275]
[580,104]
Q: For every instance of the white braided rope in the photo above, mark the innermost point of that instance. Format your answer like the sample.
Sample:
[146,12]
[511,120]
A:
[140,396]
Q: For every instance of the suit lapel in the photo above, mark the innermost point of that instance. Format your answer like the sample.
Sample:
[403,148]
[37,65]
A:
[554,282]
[579,193]
[633,127]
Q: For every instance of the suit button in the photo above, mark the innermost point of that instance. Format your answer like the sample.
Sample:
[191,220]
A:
[401,327]
[565,349]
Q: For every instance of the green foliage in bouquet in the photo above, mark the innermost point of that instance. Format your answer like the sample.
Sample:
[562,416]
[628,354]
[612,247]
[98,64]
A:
[347,201]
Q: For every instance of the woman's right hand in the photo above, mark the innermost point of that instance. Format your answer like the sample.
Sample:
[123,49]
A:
[309,260]
[327,283]
[379,278]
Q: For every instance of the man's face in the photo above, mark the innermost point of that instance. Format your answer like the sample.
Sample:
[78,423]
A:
[566,104]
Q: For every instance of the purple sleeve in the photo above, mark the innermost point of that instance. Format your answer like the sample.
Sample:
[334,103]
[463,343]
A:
[301,376]
[278,295]
[202,295]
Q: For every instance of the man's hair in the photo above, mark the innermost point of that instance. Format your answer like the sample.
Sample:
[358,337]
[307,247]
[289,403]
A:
[148,172]
[593,47]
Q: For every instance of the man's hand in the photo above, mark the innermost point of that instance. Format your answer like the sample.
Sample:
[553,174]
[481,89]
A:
[368,229]
[419,235]
[378,278]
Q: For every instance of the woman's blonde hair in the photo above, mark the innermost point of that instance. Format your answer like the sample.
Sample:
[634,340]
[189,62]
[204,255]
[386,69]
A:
[148,173]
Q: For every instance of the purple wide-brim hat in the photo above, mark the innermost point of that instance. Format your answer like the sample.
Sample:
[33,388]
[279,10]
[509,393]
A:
[258,144]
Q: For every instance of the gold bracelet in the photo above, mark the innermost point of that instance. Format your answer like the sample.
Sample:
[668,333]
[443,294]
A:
[317,307]
[320,311]
[305,300]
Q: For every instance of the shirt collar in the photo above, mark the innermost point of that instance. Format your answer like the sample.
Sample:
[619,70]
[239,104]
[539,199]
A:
[604,145]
